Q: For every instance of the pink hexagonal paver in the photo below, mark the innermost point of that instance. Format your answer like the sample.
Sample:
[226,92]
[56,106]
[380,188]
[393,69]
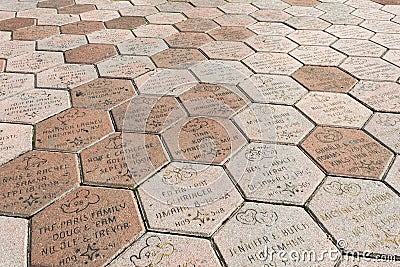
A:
[125,66]
[13,83]
[34,62]
[227,50]
[317,55]
[142,46]
[15,139]
[272,63]
[271,43]
[14,247]
[34,105]
[61,42]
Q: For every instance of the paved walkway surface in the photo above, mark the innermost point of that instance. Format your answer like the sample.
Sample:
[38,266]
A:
[200,133]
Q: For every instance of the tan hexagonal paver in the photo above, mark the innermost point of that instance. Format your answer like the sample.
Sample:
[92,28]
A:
[327,79]
[142,46]
[270,43]
[73,129]
[188,198]
[371,68]
[272,63]
[317,55]
[14,83]
[125,66]
[87,227]
[34,62]
[267,229]
[196,25]
[359,213]
[61,42]
[228,50]
[35,179]
[102,93]
[385,127]
[15,139]
[273,123]
[347,152]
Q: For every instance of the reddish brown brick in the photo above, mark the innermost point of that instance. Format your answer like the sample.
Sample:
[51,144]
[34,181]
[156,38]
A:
[35,32]
[102,93]
[82,27]
[125,23]
[90,53]
[55,3]
[231,33]
[76,9]
[177,56]
[188,39]
[42,177]
[104,222]
[73,129]
[15,23]
[329,79]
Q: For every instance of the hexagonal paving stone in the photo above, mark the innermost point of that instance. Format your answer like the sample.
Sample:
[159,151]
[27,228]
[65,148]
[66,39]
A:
[206,140]
[35,32]
[213,100]
[329,79]
[277,89]
[318,55]
[174,7]
[57,20]
[125,66]
[102,93]
[270,15]
[267,229]
[208,3]
[385,127]
[220,72]
[34,105]
[381,26]
[34,62]
[14,83]
[277,173]
[9,49]
[73,129]
[347,152]
[341,18]
[272,63]
[203,12]
[302,2]
[165,18]
[371,69]
[138,10]
[66,76]
[393,56]
[349,31]
[61,42]
[312,37]
[155,31]
[14,251]
[334,109]
[146,113]
[15,23]
[227,50]
[188,198]
[307,23]
[90,53]
[270,28]
[331,6]
[299,11]
[360,48]
[196,25]
[270,43]
[111,221]
[125,23]
[360,213]
[35,179]
[76,9]
[142,46]
[122,159]
[100,15]
[235,20]
[188,39]
[389,40]
[109,36]
[238,8]
[177,57]
[230,33]
[82,27]
[372,14]
[393,177]
[31,13]
[15,139]
[176,250]
[55,3]
[273,123]
[381,96]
